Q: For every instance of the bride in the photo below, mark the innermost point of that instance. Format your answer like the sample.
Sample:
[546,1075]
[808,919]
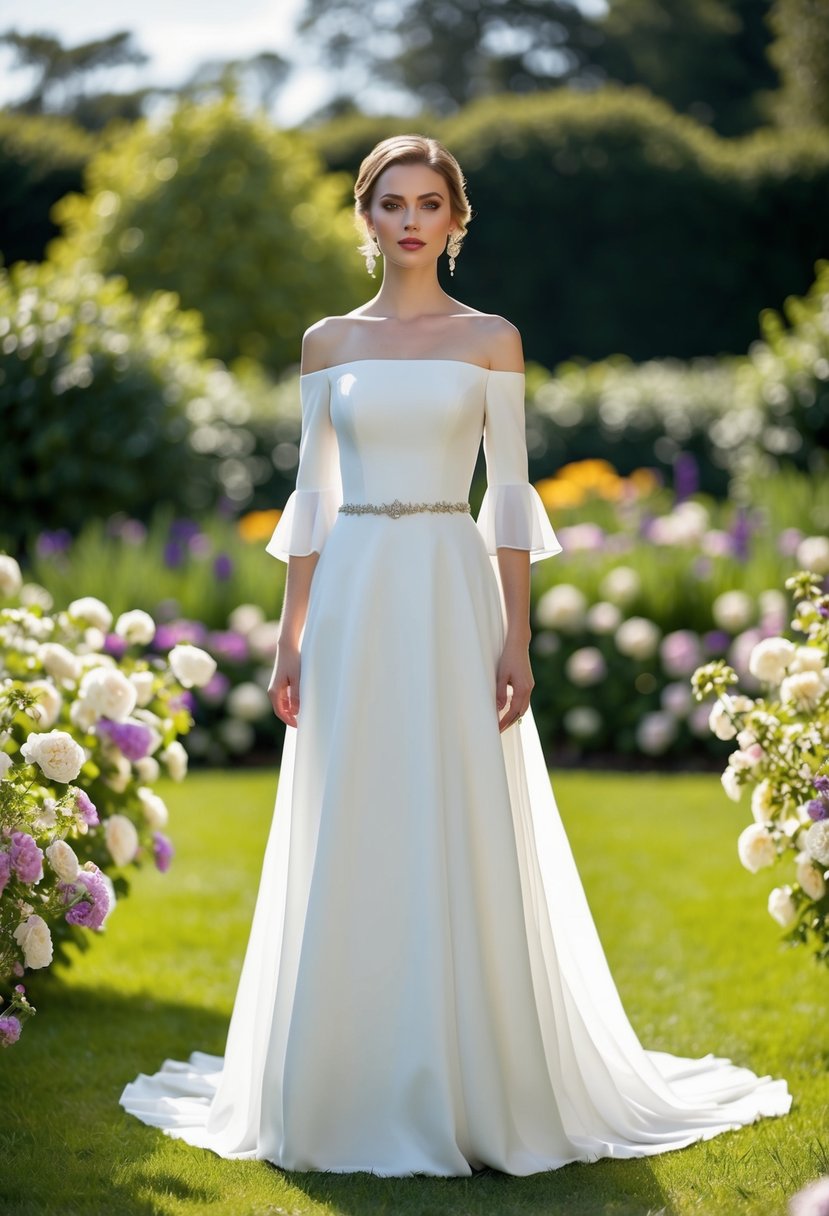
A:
[423,990]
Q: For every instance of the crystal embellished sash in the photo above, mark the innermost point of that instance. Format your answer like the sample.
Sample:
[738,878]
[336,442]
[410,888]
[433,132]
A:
[397,508]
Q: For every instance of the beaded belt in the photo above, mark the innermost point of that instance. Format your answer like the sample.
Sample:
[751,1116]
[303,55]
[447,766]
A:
[397,508]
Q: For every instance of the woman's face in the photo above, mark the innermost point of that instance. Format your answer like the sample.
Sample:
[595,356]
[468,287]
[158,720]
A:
[411,201]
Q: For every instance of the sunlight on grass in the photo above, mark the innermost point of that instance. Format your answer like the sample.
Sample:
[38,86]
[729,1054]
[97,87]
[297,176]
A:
[693,951]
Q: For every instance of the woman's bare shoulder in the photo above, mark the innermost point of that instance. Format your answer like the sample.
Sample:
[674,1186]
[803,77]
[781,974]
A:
[320,341]
[502,342]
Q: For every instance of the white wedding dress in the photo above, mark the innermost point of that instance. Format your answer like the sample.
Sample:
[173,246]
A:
[423,989]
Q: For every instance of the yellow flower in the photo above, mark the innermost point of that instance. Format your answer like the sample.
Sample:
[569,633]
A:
[258,525]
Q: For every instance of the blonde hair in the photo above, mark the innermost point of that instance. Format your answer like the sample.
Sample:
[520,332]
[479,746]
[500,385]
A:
[409,150]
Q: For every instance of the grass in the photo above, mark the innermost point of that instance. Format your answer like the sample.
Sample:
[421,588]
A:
[693,951]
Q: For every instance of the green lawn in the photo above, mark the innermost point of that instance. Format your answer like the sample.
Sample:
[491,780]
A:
[693,950]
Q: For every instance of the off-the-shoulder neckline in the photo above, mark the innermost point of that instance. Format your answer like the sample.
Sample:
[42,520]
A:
[491,371]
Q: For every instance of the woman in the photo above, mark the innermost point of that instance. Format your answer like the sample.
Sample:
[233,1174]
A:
[423,989]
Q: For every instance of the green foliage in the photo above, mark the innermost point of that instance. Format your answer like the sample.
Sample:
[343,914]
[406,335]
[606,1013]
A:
[235,216]
[94,394]
[801,55]
[607,223]
[41,159]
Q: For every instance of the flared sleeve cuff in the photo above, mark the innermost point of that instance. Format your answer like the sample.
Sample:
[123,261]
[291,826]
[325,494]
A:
[513,516]
[307,518]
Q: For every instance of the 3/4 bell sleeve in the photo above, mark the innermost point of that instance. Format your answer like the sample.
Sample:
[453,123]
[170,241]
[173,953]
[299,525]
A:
[512,514]
[311,510]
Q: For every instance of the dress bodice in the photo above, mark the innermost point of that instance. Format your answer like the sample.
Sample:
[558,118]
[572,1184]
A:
[375,430]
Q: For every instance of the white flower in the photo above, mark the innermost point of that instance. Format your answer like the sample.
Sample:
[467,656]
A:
[770,658]
[561,607]
[782,907]
[620,585]
[813,554]
[810,877]
[49,701]
[120,772]
[808,658]
[817,842]
[603,617]
[248,701]
[91,611]
[263,639]
[245,617]
[803,690]
[584,667]
[143,682]
[109,693]
[63,860]
[57,754]
[655,732]
[5,764]
[136,627]
[638,638]
[154,807]
[812,1200]
[191,666]
[237,736]
[107,881]
[58,662]
[719,721]
[761,802]
[147,769]
[82,715]
[35,940]
[48,815]
[11,580]
[32,595]
[175,758]
[732,611]
[755,848]
[121,838]
[582,721]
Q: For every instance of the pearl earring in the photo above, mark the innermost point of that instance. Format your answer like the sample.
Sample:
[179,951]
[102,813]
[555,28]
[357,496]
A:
[453,248]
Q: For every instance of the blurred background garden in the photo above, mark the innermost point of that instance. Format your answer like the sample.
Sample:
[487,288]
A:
[650,182]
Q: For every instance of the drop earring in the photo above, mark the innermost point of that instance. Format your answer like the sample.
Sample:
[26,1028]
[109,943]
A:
[371,258]
[453,248]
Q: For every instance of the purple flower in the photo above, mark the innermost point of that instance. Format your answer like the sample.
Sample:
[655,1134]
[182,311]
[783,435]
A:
[86,807]
[216,688]
[818,809]
[133,739]
[49,543]
[184,529]
[788,541]
[26,858]
[92,909]
[115,645]
[5,870]
[163,850]
[716,641]
[740,534]
[173,555]
[223,566]
[169,635]
[9,1030]
[228,644]
[184,700]
[821,783]
[686,476]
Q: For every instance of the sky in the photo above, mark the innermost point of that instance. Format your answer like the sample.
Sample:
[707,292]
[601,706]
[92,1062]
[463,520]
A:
[177,35]
[180,34]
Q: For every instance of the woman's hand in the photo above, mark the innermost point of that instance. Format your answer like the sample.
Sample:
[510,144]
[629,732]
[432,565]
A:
[283,689]
[514,669]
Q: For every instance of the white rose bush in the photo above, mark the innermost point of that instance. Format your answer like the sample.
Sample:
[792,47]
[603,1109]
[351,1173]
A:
[83,736]
[782,757]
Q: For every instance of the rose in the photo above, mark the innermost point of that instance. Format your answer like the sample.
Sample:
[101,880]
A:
[109,693]
[91,611]
[731,783]
[810,878]
[191,665]
[5,764]
[562,607]
[732,611]
[46,711]
[638,638]
[58,662]
[143,681]
[63,860]
[147,769]
[816,842]
[154,807]
[762,803]
[782,907]
[175,758]
[803,690]
[11,580]
[136,627]
[621,584]
[755,848]
[121,838]
[57,754]
[808,658]
[35,941]
[770,658]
